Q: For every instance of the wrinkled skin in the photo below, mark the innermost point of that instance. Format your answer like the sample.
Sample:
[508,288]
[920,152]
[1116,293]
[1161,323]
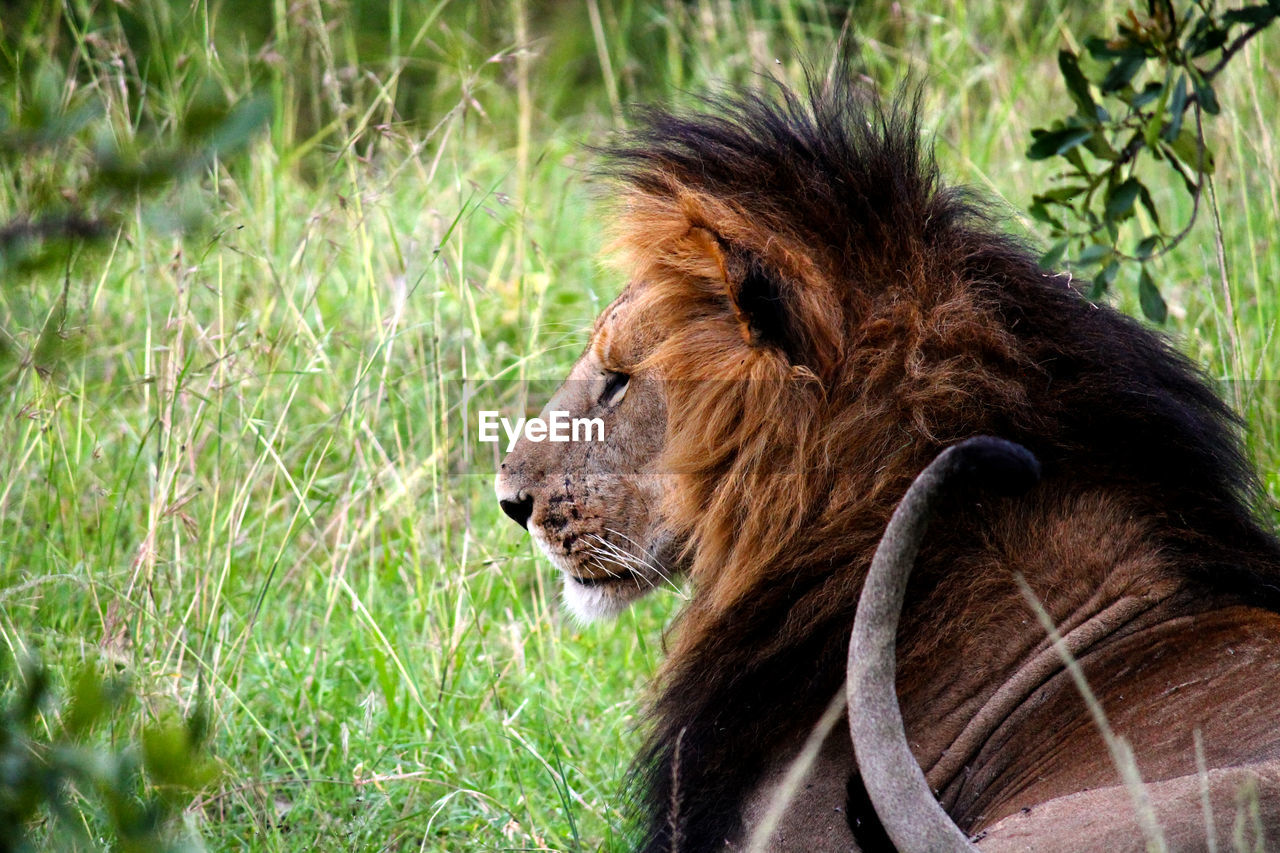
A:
[593,506]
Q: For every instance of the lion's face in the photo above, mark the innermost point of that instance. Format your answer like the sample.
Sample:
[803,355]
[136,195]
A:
[593,505]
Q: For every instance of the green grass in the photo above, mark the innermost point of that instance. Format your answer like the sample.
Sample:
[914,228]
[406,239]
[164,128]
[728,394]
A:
[248,465]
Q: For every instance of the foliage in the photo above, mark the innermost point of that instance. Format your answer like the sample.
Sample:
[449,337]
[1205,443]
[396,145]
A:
[88,149]
[59,788]
[100,175]
[1131,103]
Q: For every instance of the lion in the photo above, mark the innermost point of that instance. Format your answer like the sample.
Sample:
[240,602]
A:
[811,317]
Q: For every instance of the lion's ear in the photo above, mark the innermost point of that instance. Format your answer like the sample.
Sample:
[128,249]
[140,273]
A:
[759,296]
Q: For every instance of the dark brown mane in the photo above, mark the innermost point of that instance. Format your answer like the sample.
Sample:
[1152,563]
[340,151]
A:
[905,321]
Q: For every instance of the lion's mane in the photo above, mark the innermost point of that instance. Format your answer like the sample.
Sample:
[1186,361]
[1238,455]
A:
[892,318]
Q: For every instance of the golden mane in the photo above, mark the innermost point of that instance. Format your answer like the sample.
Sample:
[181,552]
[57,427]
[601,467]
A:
[890,319]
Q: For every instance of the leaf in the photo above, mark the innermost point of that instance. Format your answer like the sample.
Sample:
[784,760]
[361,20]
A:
[1073,157]
[1097,146]
[1155,124]
[1041,213]
[1153,304]
[1177,106]
[1206,36]
[1192,187]
[1105,278]
[166,752]
[1049,143]
[1121,198]
[1205,94]
[1187,148]
[1256,16]
[1077,85]
[1163,18]
[1149,93]
[49,346]
[1100,48]
[1093,253]
[1144,195]
[241,123]
[88,702]
[1061,194]
[1147,246]
[1122,72]
[206,109]
[46,93]
[1050,259]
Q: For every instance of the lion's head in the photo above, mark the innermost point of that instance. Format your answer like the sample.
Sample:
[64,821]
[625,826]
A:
[710,390]
[593,505]
[746,357]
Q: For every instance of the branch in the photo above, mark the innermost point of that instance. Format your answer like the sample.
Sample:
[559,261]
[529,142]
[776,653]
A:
[1234,48]
[71,226]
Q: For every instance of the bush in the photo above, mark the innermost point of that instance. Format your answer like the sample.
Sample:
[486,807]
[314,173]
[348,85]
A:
[63,787]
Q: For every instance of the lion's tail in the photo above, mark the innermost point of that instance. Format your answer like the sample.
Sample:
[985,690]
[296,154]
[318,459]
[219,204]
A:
[906,807]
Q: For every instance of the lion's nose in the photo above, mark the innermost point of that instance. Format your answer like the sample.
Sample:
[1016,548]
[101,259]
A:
[519,509]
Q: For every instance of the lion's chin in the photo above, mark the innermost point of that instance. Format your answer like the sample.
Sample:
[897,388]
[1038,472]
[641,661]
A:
[592,598]
[597,602]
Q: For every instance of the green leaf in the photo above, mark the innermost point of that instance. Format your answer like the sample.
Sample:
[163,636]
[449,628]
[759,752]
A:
[1191,185]
[1076,160]
[1122,72]
[46,93]
[1205,94]
[1100,48]
[1188,150]
[1147,246]
[241,123]
[1049,143]
[1098,146]
[88,702]
[1149,93]
[1255,16]
[1077,85]
[1153,304]
[1105,278]
[1050,259]
[1121,198]
[50,345]
[1041,213]
[1177,106]
[1151,130]
[1144,195]
[1205,37]
[1092,254]
[1061,194]
[206,109]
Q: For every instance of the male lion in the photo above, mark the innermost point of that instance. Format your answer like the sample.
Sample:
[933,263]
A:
[811,318]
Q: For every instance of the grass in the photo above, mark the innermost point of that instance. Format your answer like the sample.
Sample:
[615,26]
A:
[248,464]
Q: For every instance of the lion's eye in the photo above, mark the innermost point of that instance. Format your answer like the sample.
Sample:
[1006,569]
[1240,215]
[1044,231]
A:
[615,387]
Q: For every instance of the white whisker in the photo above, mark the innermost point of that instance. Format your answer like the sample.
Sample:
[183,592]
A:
[648,562]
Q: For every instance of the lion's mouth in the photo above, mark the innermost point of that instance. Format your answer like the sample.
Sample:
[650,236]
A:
[603,580]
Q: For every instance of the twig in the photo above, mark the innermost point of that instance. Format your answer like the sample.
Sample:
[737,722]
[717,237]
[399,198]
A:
[1234,48]
[74,226]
